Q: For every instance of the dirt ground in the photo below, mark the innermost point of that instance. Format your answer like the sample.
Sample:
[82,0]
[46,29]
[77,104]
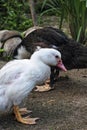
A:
[64,108]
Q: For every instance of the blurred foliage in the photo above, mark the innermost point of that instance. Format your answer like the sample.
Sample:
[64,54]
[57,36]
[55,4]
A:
[75,14]
[14,15]
[1,50]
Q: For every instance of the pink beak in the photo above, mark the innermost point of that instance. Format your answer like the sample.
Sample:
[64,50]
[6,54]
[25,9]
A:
[61,65]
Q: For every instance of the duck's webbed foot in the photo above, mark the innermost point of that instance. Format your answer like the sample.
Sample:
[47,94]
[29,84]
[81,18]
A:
[44,88]
[24,120]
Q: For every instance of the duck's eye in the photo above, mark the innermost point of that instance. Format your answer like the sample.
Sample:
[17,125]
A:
[57,56]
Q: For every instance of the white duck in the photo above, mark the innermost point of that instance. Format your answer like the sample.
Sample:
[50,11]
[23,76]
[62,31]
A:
[19,77]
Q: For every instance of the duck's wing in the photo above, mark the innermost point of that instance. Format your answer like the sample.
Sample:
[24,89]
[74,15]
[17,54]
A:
[11,71]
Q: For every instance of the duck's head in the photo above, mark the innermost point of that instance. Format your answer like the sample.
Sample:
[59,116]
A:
[50,57]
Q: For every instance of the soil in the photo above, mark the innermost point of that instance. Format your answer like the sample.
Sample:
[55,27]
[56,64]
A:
[64,108]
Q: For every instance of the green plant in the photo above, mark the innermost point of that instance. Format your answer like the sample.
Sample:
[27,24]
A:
[77,16]
[74,12]
[1,50]
[14,15]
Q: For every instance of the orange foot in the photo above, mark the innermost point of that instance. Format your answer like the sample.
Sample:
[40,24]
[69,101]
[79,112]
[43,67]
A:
[24,120]
[43,88]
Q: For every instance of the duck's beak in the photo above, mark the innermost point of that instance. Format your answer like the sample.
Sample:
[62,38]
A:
[61,65]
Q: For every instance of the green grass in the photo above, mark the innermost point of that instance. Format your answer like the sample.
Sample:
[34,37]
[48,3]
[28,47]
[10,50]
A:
[75,14]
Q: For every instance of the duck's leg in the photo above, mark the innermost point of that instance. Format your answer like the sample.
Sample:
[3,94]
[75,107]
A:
[24,120]
[54,76]
[49,85]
